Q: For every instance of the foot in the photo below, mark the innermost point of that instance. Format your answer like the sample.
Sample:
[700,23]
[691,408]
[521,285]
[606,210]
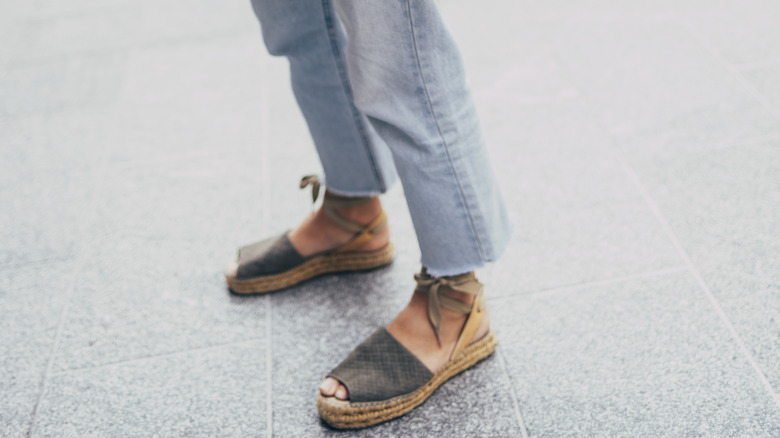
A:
[318,233]
[413,330]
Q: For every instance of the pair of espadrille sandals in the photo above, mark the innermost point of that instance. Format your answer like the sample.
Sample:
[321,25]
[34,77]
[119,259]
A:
[383,379]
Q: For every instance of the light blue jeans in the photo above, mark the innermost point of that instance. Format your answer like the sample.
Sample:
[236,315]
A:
[382,88]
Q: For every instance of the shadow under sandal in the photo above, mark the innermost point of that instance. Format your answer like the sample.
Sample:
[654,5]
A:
[384,380]
[274,263]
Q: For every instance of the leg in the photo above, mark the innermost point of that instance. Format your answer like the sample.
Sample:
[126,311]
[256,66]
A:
[355,160]
[408,79]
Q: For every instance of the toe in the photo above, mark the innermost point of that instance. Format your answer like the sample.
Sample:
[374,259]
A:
[231,269]
[329,386]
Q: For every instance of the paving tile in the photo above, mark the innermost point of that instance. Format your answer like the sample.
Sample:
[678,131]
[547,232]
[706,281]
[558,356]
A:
[60,84]
[606,11]
[721,204]
[558,157]
[198,18]
[53,8]
[753,306]
[10,32]
[153,134]
[54,35]
[740,32]
[74,139]
[205,199]
[565,131]
[724,196]
[204,97]
[764,79]
[635,358]
[507,60]
[215,73]
[146,296]
[31,303]
[43,212]
[85,27]
[594,178]
[576,215]
[206,393]
[637,72]
[708,129]
[554,246]
[351,307]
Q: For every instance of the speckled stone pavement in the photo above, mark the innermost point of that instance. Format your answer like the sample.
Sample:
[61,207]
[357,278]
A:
[637,144]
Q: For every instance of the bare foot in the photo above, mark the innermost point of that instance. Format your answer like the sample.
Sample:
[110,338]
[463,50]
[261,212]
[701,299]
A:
[318,233]
[412,329]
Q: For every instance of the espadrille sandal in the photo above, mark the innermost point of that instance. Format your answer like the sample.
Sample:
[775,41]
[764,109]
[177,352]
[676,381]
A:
[274,263]
[384,380]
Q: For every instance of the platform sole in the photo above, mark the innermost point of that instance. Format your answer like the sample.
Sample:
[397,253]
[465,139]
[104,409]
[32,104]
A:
[343,414]
[325,264]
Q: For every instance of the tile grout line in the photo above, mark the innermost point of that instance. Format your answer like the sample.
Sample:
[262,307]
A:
[33,262]
[608,281]
[512,393]
[265,203]
[733,71]
[505,369]
[55,344]
[702,284]
[156,356]
[269,402]
[78,268]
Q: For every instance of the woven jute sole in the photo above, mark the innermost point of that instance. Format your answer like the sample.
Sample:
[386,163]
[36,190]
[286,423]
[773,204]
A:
[343,414]
[324,264]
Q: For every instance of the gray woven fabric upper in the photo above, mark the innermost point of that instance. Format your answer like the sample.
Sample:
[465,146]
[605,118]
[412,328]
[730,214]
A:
[267,257]
[379,369]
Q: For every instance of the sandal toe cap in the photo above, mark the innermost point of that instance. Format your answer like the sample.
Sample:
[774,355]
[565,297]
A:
[267,257]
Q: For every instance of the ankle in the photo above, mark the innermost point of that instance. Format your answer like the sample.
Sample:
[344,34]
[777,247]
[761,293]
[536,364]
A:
[362,213]
[460,296]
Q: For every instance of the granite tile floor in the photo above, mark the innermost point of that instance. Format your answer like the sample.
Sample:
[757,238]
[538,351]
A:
[637,143]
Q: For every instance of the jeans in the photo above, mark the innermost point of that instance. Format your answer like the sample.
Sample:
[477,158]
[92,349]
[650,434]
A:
[383,91]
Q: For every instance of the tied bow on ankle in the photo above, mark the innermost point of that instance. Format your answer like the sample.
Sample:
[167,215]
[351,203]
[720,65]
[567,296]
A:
[331,203]
[314,182]
[435,287]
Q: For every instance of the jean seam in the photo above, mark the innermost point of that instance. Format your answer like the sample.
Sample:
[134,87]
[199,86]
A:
[337,58]
[429,103]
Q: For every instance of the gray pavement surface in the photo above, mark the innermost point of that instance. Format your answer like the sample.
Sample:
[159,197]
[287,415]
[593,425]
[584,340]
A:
[637,143]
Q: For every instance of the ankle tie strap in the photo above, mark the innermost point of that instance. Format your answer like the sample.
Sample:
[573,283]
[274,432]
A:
[363,233]
[330,202]
[434,288]
[314,182]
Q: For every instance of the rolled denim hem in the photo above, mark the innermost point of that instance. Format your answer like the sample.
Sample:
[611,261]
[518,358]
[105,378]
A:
[453,271]
[354,194]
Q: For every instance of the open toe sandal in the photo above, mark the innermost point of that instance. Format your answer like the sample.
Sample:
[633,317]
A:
[384,380]
[274,263]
